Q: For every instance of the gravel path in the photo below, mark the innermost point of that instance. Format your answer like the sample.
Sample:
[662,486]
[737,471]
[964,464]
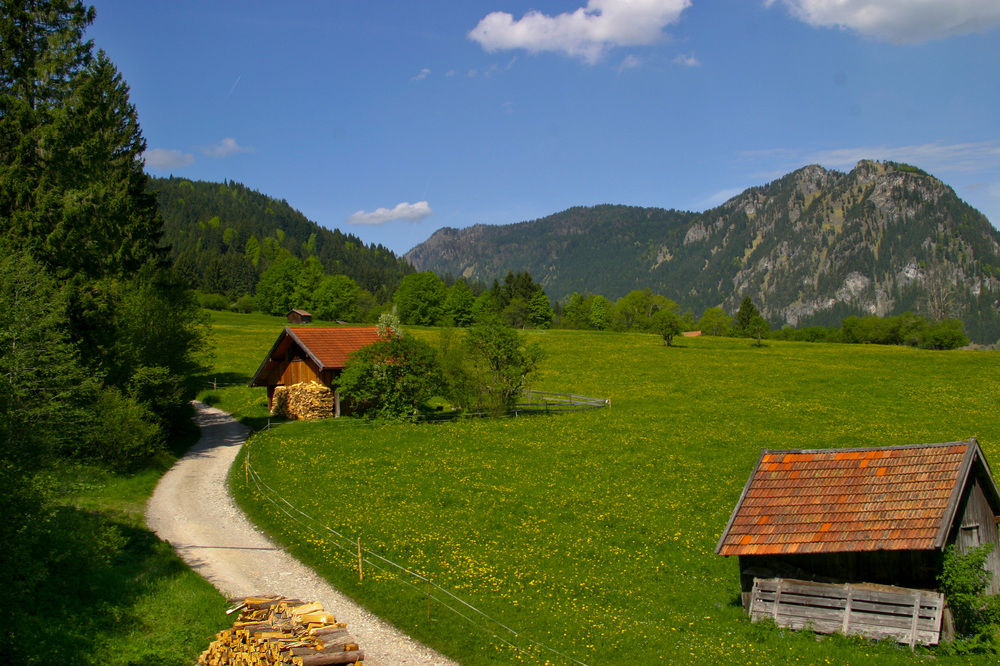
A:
[192,509]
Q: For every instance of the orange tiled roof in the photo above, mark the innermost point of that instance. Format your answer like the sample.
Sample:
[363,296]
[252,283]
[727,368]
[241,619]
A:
[843,500]
[327,347]
[330,347]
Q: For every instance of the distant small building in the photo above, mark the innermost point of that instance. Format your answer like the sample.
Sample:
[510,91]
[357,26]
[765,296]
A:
[691,334]
[299,317]
[869,515]
[301,355]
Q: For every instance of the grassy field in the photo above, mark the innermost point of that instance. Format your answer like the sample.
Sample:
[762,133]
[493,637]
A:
[589,537]
[119,596]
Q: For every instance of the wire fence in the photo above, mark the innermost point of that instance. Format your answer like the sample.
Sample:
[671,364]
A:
[497,629]
[542,402]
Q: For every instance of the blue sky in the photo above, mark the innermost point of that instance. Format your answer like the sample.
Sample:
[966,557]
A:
[392,119]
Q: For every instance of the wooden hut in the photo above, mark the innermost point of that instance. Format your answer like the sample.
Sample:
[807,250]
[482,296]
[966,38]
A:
[302,355]
[299,317]
[879,515]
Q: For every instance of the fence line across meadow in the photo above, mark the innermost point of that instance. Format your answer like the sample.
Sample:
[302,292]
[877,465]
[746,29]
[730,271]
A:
[423,585]
[542,401]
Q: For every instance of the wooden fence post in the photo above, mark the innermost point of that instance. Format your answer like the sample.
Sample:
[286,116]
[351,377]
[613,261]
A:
[361,573]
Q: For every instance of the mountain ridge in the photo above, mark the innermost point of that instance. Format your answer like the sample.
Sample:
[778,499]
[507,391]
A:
[223,236]
[811,247]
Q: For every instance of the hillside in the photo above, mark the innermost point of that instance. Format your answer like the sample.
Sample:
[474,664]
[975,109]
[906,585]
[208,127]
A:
[224,235]
[810,248]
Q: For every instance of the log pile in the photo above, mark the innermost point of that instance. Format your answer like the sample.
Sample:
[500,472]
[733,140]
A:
[307,401]
[276,630]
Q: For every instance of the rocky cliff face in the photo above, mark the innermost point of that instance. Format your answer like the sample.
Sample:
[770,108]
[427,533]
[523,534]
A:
[811,247]
[879,240]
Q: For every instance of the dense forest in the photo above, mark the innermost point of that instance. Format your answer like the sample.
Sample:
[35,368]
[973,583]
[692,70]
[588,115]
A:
[224,236]
[100,339]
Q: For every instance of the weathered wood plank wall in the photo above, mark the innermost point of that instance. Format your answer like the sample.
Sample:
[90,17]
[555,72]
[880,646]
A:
[906,615]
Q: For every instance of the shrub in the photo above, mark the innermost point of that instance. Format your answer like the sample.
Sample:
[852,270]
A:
[963,581]
[391,377]
[213,301]
[244,304]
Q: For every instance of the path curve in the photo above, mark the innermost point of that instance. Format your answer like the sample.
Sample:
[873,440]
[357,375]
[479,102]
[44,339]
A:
[191,509]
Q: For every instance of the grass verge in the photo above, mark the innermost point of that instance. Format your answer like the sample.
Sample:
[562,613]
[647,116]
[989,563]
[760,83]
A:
[116,594]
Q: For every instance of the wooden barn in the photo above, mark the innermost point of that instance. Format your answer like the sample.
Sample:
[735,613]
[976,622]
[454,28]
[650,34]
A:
[299,317]
[873,515]
[852,540]
[303,355]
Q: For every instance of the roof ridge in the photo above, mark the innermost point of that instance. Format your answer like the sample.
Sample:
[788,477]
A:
[871,448]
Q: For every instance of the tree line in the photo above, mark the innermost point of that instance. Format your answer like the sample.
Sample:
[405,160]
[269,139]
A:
[100,338]
[425,299]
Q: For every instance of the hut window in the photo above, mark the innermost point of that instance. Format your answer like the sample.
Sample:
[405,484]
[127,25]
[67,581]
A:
[968,538]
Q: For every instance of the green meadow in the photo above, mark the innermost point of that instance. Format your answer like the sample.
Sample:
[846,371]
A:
[588,537]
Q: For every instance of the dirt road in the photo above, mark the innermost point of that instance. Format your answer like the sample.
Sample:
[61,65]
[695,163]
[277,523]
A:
[191,508]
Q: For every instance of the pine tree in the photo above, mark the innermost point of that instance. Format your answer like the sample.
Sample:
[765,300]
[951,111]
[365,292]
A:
[746,313]
[42,54]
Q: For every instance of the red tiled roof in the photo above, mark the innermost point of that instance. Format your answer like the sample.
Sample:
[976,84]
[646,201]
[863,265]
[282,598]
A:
[843,500]
[330,347]
[327,347]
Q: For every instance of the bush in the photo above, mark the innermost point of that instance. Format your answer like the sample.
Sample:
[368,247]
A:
[126,433]
[244,304]
[963,581]
[390,378]
[948,334]
[213,301]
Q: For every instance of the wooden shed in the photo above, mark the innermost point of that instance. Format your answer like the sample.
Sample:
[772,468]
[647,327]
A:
[311,354]
[879,515]
[299,317]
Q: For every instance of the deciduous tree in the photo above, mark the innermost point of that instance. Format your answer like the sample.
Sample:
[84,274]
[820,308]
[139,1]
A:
[420,299]
[391,377]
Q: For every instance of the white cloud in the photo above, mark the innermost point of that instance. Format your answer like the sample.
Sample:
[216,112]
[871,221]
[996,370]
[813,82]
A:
[719,198]
[404,211]
[898,21]
[424,73]
[226,147]
[687,59]
[586,33]
[630,62]
[161,158]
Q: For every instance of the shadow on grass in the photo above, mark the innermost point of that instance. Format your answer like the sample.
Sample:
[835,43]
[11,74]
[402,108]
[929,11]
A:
[219,380]
[102,574]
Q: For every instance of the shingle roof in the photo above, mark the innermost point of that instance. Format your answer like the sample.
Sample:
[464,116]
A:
[330,347]
[327,347]
[843,500]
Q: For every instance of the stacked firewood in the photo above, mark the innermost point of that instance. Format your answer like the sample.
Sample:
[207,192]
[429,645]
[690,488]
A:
[307,401]
[276,630]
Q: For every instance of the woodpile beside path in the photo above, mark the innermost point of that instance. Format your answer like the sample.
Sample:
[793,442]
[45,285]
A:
[276,630]
[307,401]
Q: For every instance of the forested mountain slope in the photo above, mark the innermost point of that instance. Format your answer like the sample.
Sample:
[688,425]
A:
[810,248]
[225,235]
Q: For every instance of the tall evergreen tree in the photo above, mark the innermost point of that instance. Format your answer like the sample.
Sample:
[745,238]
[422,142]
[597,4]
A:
[42,54]
[745,315]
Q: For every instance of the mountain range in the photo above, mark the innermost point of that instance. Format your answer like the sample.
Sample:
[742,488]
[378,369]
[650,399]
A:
[810,248]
